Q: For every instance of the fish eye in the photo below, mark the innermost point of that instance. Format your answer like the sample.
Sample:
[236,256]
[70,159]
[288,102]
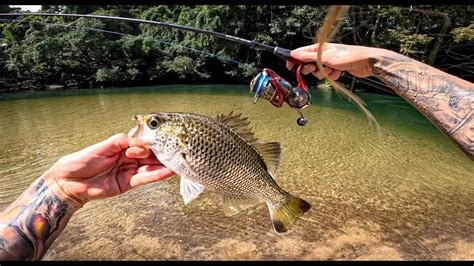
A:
[153,122]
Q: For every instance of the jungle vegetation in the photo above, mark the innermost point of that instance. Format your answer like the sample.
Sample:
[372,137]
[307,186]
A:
[42,52]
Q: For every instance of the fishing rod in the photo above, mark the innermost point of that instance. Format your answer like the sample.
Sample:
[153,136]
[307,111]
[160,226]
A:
[266,84]
[281,52]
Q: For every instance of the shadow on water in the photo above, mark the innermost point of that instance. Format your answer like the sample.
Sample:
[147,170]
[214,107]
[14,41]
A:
[407,194]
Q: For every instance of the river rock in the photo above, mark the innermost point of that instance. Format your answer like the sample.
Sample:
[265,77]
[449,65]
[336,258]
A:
[55,87]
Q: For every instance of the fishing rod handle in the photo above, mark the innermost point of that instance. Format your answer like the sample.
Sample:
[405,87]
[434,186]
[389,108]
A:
[286,55]
[283,53]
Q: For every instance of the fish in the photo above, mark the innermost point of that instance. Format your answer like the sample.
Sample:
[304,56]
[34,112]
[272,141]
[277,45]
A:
[223,155]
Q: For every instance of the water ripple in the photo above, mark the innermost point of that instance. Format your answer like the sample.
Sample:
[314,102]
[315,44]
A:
[407,194]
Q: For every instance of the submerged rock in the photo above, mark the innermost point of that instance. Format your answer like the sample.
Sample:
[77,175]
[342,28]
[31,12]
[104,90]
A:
[55,87]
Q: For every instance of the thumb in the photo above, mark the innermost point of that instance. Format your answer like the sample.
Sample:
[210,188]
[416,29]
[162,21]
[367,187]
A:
[110,146]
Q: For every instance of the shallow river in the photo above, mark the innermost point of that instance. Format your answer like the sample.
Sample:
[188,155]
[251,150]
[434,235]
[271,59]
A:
[407,193]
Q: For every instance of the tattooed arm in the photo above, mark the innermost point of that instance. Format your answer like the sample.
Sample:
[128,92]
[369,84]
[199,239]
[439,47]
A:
[29,225]
[447,101]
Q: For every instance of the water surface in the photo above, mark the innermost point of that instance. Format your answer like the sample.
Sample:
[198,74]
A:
[406,194]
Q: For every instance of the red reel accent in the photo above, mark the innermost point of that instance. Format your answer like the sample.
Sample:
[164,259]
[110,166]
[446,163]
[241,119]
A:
[301,82]
[281,92]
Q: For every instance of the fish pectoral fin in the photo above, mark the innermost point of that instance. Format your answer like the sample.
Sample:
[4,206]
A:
[234,204]
[184,161]
[189,189]
[270,152]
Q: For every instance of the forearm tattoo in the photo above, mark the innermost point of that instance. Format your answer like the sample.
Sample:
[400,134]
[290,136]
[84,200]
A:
[30,224]
[447,101]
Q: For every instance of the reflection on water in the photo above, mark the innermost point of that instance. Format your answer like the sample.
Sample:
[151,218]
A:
[406,194]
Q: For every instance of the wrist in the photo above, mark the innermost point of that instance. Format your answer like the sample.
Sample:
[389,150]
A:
[57,187]
[376,59]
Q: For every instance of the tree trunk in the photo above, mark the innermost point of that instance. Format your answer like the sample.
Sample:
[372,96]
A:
[354,30]
[376,25]
[439,37]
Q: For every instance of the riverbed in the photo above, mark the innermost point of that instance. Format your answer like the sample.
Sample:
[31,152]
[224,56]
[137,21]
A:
[406,193]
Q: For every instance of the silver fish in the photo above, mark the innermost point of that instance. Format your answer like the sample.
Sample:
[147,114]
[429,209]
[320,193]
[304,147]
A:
[221,154]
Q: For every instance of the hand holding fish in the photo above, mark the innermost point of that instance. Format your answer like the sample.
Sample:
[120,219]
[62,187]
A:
[30,225]
[106,169]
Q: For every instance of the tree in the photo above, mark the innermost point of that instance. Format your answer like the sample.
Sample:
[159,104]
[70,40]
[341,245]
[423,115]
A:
[91,52]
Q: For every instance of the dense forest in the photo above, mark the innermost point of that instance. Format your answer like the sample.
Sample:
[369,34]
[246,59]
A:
[57,52]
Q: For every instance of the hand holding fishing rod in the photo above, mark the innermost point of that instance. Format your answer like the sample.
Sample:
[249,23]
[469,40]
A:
[337,58]
[446,100]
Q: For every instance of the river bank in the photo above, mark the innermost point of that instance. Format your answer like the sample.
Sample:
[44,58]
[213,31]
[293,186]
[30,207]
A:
[12,86]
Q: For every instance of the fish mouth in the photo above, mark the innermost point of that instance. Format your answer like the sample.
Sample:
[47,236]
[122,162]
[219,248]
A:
[134,141]
[136,133]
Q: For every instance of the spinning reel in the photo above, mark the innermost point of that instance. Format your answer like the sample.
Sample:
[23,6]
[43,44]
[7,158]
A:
[277,90]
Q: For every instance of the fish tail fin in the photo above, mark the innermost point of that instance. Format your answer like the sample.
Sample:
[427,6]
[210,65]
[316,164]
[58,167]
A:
[285,215]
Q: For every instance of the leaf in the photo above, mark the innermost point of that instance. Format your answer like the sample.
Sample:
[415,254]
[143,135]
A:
[8,34]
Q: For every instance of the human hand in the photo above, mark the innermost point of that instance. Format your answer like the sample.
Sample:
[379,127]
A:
[336,58]
[106,169]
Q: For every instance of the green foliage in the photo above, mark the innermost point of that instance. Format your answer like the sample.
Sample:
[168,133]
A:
[421,32]
[181,65]
[112,74]
[7,34]
[66,51]
[8,9]
[464,33]
[410,44]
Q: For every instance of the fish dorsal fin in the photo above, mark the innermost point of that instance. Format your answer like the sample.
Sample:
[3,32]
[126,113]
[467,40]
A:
[270,152]
[234,204]
[239,125]
[189,189]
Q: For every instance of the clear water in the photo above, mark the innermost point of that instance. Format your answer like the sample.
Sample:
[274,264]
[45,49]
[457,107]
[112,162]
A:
[406,194]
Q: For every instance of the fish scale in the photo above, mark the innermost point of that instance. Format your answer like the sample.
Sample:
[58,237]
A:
[222,155]
[203,157]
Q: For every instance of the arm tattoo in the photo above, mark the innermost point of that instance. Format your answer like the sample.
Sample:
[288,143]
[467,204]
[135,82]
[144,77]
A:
[447,101]
[29,225]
